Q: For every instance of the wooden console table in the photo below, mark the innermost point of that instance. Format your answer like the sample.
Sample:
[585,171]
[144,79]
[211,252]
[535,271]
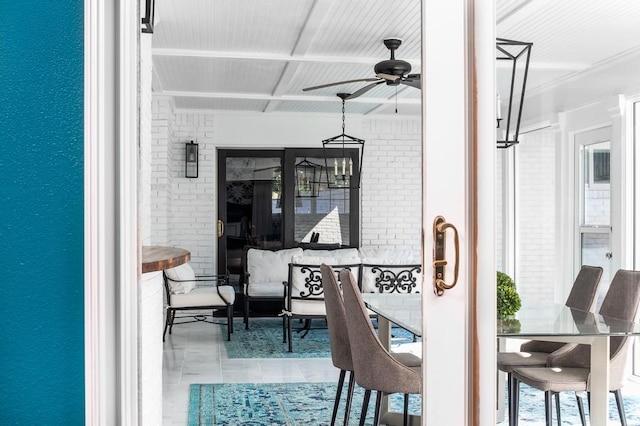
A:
[157,258]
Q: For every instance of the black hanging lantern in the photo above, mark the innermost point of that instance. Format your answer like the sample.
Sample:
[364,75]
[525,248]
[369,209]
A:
[340,169]
[148,20]
[191,160]
[307,179]
[517,53]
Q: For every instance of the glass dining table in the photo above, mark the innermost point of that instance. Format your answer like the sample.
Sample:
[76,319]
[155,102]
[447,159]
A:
[538,320]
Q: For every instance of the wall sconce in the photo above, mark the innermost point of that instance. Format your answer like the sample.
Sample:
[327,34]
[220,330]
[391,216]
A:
[340,171]
[191,160]
[517,53]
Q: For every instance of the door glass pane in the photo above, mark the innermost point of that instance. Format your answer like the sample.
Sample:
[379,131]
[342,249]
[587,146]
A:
[595,252]
[321,214]
[253,203]
[596,187]
[595,215]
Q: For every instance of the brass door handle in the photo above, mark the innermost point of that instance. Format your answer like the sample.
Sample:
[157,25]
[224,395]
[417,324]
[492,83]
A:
[220,228]
[440,226]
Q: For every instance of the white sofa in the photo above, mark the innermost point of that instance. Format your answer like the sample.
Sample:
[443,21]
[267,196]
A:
[293,276]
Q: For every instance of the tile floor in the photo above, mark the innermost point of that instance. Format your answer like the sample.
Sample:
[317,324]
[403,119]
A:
[194,353]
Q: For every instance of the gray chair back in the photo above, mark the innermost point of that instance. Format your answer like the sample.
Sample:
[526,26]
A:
[582,296]
[585,288]
[374,367]
[336,320]
[621,301]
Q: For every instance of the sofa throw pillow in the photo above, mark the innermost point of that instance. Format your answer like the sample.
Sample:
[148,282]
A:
[184,276]
[267,266]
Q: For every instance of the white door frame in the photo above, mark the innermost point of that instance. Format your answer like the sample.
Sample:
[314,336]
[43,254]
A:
[458,128]
[111,255]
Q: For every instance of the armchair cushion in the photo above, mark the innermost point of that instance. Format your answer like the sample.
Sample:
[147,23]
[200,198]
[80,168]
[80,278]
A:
[267,266]
[390,270]
[205,296]
[268,270]
[181,279]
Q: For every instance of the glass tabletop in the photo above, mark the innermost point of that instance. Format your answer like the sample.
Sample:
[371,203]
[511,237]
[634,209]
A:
[404,310]
[537,318]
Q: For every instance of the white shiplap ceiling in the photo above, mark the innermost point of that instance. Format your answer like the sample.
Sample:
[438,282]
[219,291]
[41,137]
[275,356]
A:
[257,55]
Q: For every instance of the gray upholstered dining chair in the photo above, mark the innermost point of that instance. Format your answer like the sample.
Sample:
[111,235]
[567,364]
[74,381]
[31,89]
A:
[535,353]
[339,340]
[374,367]
[621,301]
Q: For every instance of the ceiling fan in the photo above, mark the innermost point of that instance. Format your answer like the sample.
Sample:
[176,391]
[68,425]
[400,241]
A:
[392,71]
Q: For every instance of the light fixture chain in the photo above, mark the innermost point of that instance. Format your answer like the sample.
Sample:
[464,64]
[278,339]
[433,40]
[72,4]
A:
[343,116]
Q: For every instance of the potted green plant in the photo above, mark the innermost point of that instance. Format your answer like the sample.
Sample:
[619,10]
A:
[508,302]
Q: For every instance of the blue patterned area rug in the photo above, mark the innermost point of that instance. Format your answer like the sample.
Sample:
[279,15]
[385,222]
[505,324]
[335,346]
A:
[264,340]
[272,404]
[532,408]
[311,404]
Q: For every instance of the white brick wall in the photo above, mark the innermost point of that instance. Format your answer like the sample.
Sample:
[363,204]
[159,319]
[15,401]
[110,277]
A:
[184,211]
[536,215]
[161,178]
[392,183]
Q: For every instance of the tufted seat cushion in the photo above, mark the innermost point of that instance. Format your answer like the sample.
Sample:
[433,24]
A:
[205,296]
[557,379]
[308,307]
[507,361]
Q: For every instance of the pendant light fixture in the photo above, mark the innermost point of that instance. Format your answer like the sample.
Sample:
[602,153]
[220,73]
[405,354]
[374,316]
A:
[307,179]
[344,169]
[517,54]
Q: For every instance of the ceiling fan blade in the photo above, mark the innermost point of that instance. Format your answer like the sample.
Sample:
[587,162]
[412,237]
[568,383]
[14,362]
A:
[338,83]
[365,89]
[388,76]
[412,80]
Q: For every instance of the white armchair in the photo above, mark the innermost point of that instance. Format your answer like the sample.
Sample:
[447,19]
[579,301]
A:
[265,276]
[188,292]
[305,294]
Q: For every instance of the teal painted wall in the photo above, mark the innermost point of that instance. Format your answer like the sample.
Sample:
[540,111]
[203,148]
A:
[41,212]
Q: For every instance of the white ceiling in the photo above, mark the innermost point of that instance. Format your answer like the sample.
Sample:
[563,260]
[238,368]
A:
[257,55]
